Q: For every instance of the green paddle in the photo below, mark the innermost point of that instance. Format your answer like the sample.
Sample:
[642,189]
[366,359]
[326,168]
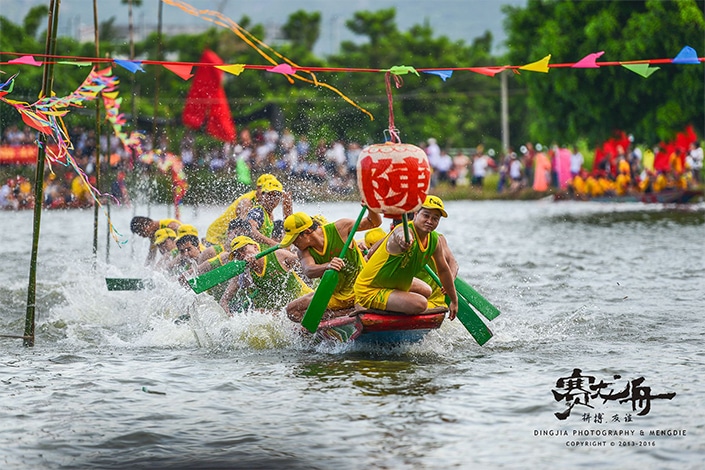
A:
[128,283]
[221,274]
[476,300]
[325,288]
[467,316]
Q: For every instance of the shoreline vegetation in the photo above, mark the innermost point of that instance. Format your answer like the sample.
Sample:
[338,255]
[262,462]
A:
[147,185]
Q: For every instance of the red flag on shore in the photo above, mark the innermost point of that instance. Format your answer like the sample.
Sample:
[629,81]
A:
[206,101]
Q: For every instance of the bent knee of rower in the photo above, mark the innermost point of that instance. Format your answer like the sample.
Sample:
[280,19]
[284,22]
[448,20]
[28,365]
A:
[417,304]
[420,287]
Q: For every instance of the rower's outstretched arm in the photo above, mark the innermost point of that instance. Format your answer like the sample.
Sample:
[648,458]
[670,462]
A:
[447,279]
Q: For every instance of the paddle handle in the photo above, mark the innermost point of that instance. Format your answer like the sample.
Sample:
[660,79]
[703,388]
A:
[267,251]
[352,232]
[405,223]
[223,273]
[467,316]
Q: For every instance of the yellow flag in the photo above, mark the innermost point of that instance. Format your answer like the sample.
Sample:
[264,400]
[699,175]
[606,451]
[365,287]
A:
[538,66]
[235,69]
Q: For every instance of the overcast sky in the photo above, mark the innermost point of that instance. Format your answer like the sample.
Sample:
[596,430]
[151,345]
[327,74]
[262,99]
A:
[456,19]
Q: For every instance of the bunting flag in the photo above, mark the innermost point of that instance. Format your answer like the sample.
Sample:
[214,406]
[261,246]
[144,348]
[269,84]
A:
[26,60]
[589,61]
[401,70]
[538,66]
[130,65]
[687,55]
[444,74]
[183,71]
[284,69]
[234,69]
[645,70]
[489,71]
[206,101]
[46,115]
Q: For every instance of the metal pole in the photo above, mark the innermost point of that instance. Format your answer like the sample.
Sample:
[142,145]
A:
[505,112]
[97,133]
[156,77]
[47,85]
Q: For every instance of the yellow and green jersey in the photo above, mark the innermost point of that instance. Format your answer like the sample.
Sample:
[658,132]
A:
[387,271]
[217,232]
[354,261]
[275,287]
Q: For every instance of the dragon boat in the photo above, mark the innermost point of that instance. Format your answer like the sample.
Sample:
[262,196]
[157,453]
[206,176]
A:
[668,196]
[380,326]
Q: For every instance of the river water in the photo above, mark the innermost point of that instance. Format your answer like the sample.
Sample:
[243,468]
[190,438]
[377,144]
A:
[116,381]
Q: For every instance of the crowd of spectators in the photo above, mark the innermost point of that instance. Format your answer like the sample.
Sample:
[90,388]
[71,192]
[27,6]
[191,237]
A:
[328,165]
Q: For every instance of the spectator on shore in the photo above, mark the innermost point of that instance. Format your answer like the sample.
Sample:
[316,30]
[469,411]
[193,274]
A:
[479,167]
[696,154]
[576,161]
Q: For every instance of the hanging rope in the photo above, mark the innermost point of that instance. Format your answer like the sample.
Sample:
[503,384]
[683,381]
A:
[398,82]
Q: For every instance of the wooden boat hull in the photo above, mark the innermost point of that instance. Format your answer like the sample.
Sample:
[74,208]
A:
[675,196]
[376,326]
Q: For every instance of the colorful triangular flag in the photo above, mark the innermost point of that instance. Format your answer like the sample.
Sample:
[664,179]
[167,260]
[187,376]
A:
[183,71]
[444,74]
[284,69]
[234,69]
[26,60]
[538,66]
[402,70]
[489,71]
[645,70]
[131,65]
[687,55]
[588,62]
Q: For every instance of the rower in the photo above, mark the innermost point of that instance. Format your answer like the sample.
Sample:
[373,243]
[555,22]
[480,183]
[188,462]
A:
[272,282]
[388,280]
[146,227]
[217,231]
[318,248]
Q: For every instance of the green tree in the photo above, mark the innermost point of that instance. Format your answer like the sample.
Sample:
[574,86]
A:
[34,19]
[569,104]
[303,29]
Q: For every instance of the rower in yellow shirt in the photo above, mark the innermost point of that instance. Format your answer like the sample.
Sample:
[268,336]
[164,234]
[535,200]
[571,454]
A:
[216,234]
[388,280]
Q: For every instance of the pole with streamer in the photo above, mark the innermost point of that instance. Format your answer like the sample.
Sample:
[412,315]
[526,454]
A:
[47,85]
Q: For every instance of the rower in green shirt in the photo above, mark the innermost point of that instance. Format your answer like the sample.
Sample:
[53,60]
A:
[388,280]
[270,280]
[318,247]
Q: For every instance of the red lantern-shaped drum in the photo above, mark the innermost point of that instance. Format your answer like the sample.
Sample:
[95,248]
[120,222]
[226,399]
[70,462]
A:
[393,178]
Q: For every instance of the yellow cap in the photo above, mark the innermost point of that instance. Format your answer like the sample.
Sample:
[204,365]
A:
[373,236]
[294,225]
[241,241]
[319,219]
[161,235]
[434,202]
[265,177]
[272,185]
[186,229]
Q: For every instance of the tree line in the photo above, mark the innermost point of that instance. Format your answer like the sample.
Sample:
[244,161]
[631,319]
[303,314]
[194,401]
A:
[564,106]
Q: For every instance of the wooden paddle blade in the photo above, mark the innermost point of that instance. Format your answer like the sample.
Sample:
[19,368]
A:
[212,278]
[474,298]
[127,283]
[320,300]
[473,323]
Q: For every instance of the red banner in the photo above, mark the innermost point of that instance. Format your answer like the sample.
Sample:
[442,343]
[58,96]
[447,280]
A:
[20,155]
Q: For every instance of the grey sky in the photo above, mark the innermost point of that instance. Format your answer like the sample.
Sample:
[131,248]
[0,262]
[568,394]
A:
[456,19]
